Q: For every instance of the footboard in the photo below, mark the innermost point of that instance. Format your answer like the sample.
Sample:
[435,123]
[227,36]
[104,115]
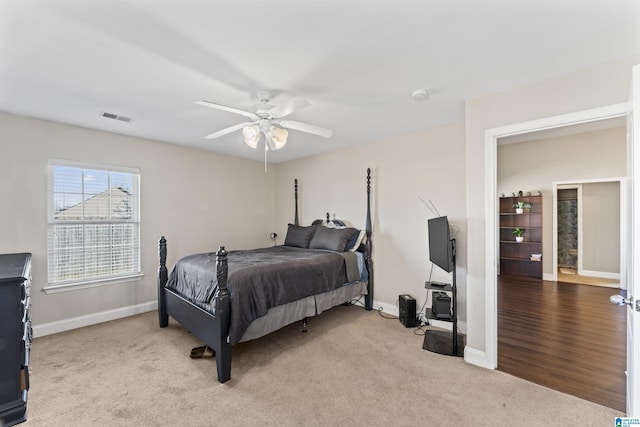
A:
[213,330]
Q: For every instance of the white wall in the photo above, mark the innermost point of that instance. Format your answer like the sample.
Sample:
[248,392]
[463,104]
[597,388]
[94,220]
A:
[430,165]
[594,87]
[197,199]
[536,165]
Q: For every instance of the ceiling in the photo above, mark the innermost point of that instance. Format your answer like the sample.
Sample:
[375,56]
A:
[356,61]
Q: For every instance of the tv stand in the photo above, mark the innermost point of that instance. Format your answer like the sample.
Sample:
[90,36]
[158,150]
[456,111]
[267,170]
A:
[443,342]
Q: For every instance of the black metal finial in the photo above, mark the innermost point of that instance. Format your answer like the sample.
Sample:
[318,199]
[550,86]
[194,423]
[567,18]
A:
[162,249]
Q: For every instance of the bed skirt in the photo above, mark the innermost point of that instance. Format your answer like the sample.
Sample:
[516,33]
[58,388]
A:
[285,314]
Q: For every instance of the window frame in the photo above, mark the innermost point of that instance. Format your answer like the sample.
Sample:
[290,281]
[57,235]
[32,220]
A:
[92,281]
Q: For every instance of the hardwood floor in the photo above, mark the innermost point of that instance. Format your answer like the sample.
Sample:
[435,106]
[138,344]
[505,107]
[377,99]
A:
[564,336]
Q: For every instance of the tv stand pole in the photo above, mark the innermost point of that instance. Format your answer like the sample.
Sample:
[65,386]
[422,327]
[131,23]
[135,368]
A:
[454,302]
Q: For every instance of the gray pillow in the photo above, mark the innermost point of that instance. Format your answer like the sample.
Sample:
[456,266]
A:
[299,236]
[334,239]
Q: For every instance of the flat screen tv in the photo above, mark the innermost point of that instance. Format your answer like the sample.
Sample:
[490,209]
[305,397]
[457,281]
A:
[440,246]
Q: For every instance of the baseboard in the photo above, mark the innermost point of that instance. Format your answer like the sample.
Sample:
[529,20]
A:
[547,276]
[92,319]
[386,308]
[476,357]
[600,274]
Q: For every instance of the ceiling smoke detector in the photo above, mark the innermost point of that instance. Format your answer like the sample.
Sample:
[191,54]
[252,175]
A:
[420,95]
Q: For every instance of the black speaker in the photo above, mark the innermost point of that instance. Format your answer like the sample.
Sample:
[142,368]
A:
[407,310]
[441,305]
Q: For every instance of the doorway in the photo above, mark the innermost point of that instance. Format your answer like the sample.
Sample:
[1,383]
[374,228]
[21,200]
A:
[491,141]
[568,230]
[588,232]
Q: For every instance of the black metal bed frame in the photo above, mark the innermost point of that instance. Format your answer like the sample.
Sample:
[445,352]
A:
[213,330]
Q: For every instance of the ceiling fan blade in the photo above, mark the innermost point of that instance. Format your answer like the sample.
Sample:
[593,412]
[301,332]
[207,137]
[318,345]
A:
[209,104]
[291,106]
[305,127]
[228,130]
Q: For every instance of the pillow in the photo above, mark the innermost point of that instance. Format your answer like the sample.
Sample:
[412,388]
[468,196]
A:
[355,241]
[334,239]
[299,236]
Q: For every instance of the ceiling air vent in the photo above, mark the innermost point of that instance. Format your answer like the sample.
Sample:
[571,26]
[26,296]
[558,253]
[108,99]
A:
[116,117]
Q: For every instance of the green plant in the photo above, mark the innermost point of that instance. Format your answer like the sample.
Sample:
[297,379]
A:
[522,205]
[518,232]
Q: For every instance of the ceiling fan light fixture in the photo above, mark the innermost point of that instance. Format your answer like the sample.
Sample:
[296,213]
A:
[279,137]
[251,135]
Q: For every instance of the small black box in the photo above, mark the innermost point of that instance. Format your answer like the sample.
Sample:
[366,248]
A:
[407,311]
[441,305]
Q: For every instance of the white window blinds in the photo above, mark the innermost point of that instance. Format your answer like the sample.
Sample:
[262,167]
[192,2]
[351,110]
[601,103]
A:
[93,224]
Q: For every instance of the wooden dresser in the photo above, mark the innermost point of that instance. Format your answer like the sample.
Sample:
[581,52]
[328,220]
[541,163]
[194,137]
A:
[15,336]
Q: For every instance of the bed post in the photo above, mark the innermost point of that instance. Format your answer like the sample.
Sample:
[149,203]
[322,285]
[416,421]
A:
[163,317]
[368,299]
[295,192]
[222,318]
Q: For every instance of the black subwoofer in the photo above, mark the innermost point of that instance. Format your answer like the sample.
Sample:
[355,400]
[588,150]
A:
[407,311]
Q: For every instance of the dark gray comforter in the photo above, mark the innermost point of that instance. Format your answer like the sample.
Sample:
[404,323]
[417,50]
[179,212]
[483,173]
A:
[260,279]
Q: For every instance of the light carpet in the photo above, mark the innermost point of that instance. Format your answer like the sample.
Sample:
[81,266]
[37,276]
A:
[353,367]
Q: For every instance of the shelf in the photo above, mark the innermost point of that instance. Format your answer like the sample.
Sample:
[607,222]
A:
[518,259]
[446,288]
[521,243]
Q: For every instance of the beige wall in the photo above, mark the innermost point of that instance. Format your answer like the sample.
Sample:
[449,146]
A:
[430,165]
[201,189]
[536,165]
[594,87]
[601,229]
[197,199]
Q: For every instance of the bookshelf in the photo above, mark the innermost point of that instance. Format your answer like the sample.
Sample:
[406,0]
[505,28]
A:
[518,258]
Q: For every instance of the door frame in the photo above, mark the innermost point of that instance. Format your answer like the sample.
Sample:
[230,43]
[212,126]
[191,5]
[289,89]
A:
[491,210]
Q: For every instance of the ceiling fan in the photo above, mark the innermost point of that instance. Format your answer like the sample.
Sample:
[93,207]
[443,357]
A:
[267,120]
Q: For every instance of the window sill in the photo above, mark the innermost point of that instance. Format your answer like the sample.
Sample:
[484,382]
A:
[54,289]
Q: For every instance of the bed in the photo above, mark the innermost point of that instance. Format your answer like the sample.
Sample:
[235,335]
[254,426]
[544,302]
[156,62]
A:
[225,298]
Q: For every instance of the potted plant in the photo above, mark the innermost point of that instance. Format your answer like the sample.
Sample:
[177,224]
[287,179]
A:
[518,233]
[521,206]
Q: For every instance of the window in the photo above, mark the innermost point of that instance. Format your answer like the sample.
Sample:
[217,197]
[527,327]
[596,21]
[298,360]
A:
[93,223]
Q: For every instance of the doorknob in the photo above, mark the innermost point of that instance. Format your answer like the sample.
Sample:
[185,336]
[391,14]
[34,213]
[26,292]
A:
[619,300]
